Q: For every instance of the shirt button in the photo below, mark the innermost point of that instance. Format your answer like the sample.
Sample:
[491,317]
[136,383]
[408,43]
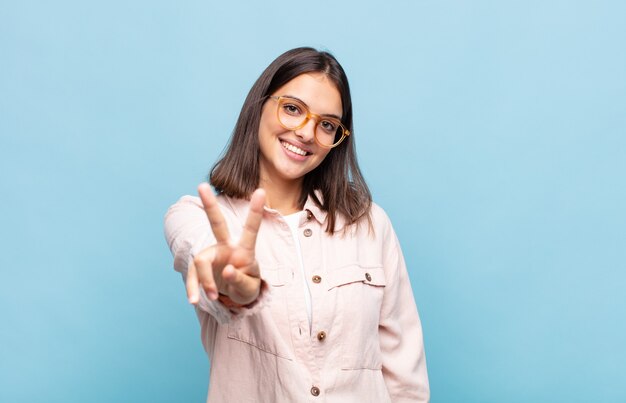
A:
[368,277]
[309,214]
[317,279]
[315,391]
[321,336]
[308,232]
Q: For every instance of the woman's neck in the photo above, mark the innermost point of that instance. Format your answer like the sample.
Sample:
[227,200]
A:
[283,197]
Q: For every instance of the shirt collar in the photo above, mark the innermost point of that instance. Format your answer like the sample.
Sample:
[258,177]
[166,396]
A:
[313,209]
[241,207]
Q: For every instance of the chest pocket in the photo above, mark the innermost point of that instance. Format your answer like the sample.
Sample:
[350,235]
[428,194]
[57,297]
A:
[359,294]
[277,276]
[267,330]
[373,276]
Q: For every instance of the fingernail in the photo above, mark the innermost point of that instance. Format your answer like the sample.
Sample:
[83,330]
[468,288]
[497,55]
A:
[212,295]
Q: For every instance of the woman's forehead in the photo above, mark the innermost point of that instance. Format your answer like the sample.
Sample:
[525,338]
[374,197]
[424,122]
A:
[316,90]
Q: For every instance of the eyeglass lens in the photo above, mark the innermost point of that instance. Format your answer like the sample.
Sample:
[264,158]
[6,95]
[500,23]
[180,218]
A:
[294,114]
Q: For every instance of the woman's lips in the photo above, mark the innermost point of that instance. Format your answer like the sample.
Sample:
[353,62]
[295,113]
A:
[294,149]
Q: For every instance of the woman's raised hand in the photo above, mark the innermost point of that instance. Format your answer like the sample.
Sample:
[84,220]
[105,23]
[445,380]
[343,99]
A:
[227,267]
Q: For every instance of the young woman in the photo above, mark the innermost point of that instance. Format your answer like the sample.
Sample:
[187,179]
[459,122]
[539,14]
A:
[298,279]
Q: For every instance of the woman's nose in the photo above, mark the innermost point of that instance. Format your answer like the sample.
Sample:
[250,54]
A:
[307,132]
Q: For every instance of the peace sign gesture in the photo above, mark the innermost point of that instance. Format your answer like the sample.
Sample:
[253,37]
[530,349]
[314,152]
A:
[227,267]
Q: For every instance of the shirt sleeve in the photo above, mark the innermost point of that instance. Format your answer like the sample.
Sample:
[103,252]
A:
[188,232]
[400,330]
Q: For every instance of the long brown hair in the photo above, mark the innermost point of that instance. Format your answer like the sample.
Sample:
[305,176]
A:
[338,178]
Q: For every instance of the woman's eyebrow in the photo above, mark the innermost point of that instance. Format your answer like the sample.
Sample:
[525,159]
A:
[330,115]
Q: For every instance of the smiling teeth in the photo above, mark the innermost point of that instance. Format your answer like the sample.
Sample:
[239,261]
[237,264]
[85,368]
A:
[293,148]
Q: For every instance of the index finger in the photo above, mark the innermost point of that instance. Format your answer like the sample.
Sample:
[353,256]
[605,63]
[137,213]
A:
[191,283]
[253,222]
[214,214]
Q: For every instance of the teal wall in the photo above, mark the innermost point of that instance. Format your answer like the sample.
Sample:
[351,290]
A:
[493,133]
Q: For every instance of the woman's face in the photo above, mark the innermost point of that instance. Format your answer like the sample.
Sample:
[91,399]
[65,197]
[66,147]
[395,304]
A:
[287,155]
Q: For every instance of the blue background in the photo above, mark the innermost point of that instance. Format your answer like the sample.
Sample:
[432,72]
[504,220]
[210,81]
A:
[493,133]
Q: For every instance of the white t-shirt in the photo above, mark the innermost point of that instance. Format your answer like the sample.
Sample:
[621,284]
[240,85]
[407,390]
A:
[293,220]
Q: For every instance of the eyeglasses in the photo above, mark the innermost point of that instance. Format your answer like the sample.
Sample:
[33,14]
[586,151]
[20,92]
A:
[293,114]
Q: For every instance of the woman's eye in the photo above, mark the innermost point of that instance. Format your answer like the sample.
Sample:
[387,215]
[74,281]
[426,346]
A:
[328,126]
[292,109]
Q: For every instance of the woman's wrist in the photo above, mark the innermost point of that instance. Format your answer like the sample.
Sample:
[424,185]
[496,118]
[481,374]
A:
[230,304]
[227,302]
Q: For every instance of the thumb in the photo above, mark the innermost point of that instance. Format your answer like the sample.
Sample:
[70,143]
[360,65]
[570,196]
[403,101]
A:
[242,289]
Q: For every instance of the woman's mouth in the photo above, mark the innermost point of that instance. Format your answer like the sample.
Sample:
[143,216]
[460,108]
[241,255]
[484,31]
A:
[294,149]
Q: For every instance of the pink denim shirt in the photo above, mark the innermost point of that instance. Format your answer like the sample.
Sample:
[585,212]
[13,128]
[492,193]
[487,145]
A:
[365,343]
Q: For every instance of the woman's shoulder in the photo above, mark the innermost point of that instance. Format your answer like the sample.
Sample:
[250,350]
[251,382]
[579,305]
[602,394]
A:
[185,205]
[194,202]
[379,217]
[374,224]
[188,200]
[190,207]
[377,212]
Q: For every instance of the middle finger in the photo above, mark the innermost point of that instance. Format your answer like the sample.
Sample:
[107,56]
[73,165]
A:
[253,222]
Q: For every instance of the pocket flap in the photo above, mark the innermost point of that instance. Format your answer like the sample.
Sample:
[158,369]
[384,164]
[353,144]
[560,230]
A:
[277,276]
[352,274]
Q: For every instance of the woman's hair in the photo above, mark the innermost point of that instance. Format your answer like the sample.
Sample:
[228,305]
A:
[338,178]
